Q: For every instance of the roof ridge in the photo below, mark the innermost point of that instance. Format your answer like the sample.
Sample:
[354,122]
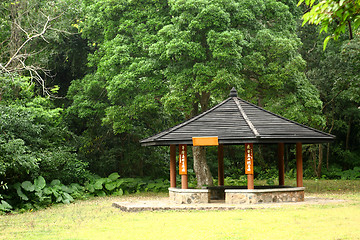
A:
[246,118]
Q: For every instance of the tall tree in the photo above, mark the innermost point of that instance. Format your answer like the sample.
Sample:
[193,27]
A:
[119,102]
[211,45]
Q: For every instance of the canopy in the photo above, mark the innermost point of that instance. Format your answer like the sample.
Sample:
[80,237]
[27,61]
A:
[236,121]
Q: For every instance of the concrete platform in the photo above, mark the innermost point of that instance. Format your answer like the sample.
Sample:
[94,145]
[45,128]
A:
[165,204]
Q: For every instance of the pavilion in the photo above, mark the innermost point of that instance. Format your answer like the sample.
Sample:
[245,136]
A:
[235,122]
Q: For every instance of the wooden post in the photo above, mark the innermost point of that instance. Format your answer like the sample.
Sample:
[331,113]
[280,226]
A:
[221,165]
[281,164]
[172,166]
[299,165]
[183,165]
[249,165]
[250,181]
[184,181]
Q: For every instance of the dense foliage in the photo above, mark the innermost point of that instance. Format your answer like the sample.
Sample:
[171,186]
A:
[81,82]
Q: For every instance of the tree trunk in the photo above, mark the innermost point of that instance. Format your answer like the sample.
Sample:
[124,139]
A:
[319,166]
[16,35]
[348,135]
[327,156]
[313,156]
[328,146]
[201,168]
[317,159]
[350,31]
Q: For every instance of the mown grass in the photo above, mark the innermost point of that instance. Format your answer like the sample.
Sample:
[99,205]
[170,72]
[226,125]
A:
[97,219]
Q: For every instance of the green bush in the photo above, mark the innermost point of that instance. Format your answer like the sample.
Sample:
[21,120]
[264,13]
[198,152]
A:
[4,206]
[351,174]
[38,194]
[114,185]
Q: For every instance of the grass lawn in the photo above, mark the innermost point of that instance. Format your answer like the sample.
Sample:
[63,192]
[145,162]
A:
[97,219]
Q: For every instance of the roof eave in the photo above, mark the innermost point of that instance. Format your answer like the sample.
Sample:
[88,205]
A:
[259,140]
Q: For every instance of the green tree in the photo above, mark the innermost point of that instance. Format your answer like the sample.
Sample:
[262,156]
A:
[33,139]
[335,74]
[119,102]
[212,45]
[333,16]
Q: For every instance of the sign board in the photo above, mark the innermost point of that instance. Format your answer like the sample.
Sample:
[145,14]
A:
[205,141]
[249,159]
[182,159]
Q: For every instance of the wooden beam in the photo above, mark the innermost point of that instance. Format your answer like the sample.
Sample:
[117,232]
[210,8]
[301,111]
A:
[281,164]
[172,166]
[299,165]
[221,165]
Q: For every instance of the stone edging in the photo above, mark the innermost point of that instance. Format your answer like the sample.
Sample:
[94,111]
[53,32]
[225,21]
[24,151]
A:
[294,189]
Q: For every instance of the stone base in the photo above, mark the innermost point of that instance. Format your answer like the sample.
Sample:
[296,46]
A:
[253,196]
[188,196]
[237,194]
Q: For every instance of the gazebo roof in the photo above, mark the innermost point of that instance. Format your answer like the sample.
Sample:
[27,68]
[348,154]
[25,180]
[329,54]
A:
[235,121]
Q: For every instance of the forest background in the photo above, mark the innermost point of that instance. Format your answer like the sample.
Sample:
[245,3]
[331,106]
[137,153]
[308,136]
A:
[81,82]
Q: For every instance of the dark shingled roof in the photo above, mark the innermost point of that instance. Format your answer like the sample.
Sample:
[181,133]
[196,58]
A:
[235,121]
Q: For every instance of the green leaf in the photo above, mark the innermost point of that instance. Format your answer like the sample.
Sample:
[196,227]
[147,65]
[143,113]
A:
[55,182]
[90,188]
[119,192]
[47,191]
[110,186]
[357,23]
[4,206]
[59,198]
[67,198]
[28,186]
[101,193]
[98,185]
[114,176]
[66,189]
[326,41]
[39,183]
[119,182]
[21,194]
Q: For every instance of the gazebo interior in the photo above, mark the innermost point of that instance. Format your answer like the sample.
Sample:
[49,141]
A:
[236,122]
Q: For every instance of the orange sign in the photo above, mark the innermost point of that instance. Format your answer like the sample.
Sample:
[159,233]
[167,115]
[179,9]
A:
[205,141]
[249,159]
[182,159]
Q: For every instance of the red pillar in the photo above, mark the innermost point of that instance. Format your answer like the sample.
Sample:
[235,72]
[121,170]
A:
[184,181]
[183,166]
[249,165]
[221,165]
[172,166]
[250,181]
[281,164]
[299,165]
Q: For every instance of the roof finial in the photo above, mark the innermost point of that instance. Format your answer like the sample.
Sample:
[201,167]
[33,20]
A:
[233,92]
